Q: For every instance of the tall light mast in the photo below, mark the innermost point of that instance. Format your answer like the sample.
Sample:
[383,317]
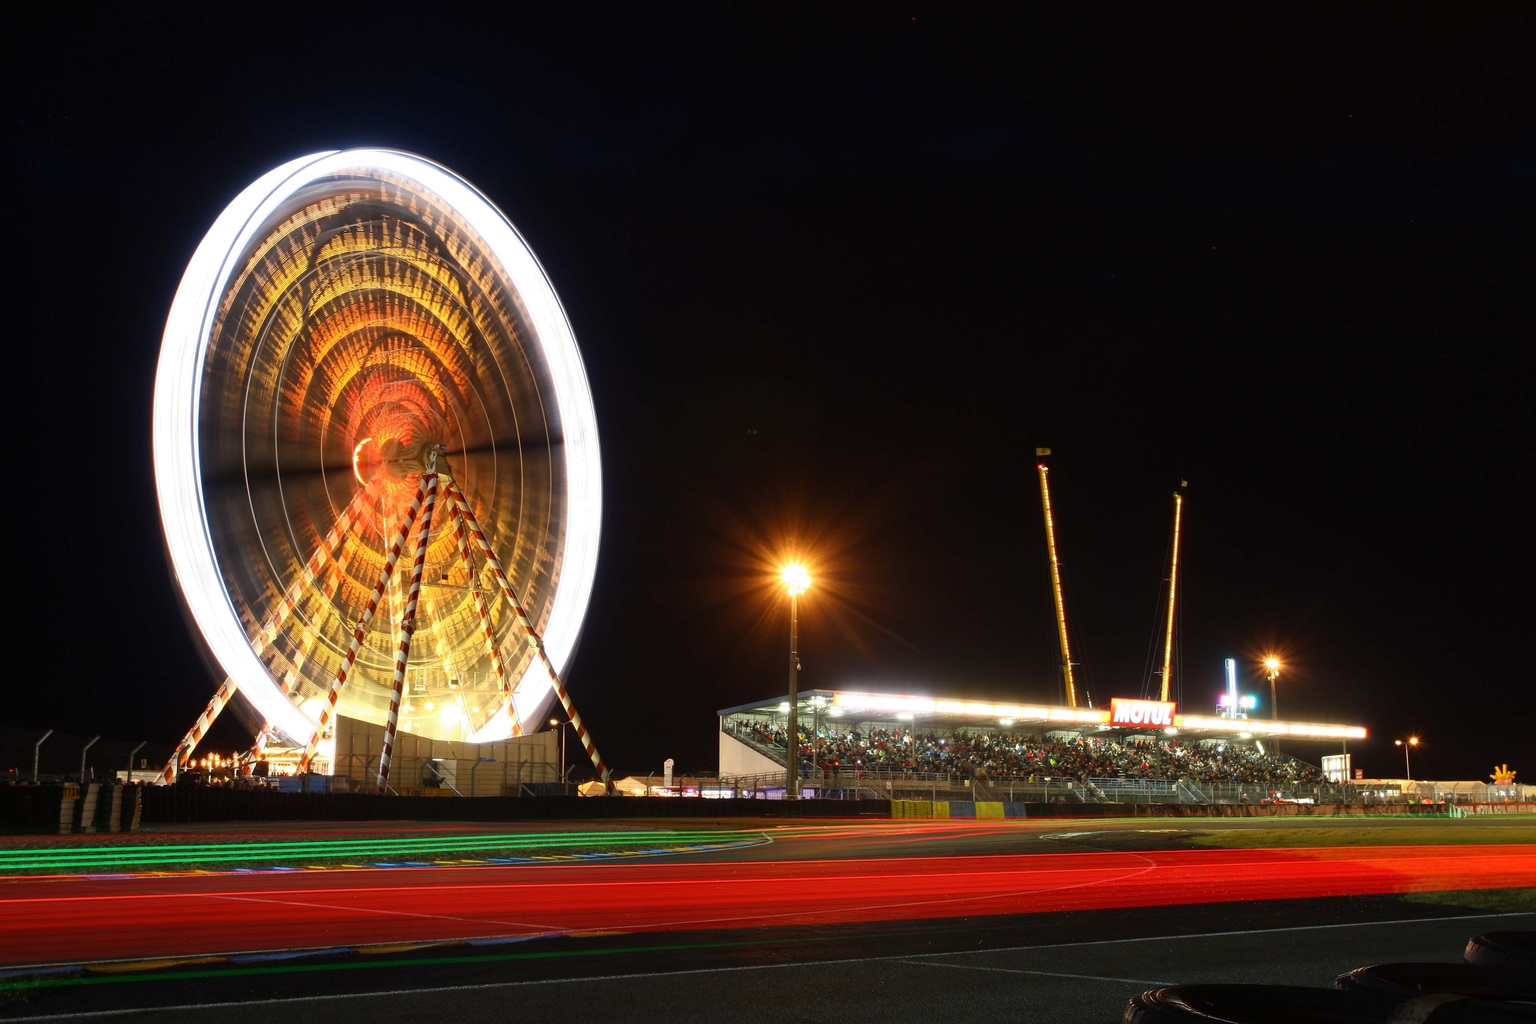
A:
[1061,611]
[1173,589]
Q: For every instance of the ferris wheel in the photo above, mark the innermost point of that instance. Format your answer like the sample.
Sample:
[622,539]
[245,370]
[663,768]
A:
[376,457]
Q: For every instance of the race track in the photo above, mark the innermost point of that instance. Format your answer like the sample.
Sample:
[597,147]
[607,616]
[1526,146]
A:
[72,919]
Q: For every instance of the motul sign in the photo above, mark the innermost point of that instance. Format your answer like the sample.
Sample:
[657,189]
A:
[1144,714]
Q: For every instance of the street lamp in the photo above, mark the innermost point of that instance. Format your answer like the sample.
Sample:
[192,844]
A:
[555,723]
[796,582]
[1411,741]
[1272,669]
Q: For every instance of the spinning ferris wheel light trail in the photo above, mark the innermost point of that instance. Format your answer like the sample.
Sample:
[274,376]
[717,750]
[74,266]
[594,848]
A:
[353,324]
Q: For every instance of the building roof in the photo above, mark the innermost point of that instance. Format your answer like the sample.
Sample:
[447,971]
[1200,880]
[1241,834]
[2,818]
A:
[1124,715]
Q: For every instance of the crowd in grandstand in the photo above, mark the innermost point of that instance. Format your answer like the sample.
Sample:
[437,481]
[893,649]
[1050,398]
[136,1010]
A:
[988,755]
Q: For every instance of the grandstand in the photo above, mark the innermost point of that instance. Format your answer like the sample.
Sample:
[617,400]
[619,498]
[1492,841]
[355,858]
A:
[902,745]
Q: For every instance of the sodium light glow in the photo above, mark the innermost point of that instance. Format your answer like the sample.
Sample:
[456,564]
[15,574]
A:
[356,454]
[193,316]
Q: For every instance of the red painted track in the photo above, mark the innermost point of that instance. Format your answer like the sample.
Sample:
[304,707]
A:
[48,920]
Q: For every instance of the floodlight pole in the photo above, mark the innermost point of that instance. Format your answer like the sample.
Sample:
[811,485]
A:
[1272,666]
[558,725]
[792,738]
[1405,744]
[37,749]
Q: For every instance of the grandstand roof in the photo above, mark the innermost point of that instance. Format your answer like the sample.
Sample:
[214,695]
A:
[1124,716]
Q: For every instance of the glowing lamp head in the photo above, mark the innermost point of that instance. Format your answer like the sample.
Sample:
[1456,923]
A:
[796,579]
[1273,664]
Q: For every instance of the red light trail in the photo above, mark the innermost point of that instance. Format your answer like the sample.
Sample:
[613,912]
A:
[70,919]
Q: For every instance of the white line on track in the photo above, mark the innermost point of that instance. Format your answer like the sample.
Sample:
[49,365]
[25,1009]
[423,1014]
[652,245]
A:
[538,929]
[589,979]
[1043,974]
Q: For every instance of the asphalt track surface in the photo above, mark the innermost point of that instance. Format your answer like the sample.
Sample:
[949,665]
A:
[880,921]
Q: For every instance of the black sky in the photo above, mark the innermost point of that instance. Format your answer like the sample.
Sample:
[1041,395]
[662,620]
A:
[835,275]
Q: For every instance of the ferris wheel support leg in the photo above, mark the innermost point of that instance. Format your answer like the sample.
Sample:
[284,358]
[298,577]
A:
[361,630]
[194,735]
[290,600]
[289,603]
[258,748]
[407,627]
[266,635]
[293,675]
[498,664]
[534,639]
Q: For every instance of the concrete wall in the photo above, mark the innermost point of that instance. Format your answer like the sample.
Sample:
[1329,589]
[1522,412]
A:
[738,758]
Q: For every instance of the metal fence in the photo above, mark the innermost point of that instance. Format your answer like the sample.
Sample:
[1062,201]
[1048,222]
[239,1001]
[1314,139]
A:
[47,755]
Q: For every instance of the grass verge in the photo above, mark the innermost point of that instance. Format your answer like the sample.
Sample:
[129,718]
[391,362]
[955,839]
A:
[1512,901]
[1440,833]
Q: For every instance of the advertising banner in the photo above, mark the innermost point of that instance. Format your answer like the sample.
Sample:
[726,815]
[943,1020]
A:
[1142,714]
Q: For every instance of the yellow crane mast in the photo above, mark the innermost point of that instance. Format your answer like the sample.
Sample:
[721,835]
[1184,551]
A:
[1173,589]
[1061,612]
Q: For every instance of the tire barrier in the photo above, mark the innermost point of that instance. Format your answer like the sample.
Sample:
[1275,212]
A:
[1404,980]
[1511,951]
[68,798]
[88,809]
[1288,1004]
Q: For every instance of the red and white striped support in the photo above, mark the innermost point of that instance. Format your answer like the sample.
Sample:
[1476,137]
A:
[258,748]
[266,635]
[361,631]
[534,639]
[189,742]
[290,600]
[291,678]
[498,665]
[407,627]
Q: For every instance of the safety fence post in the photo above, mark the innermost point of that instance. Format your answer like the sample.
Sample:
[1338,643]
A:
[36,750]
[83,749]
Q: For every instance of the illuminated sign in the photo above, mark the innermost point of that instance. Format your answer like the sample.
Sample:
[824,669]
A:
[1146,714]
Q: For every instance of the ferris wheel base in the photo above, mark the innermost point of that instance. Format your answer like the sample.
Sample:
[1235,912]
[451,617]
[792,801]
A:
[422,764]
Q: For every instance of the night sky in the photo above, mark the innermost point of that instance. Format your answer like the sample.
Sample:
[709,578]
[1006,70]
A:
[835,276]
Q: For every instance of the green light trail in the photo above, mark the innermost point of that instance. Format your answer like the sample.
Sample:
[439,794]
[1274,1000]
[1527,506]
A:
[373,961]
[115,858]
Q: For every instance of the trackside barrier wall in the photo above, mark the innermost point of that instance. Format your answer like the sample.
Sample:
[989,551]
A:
[62,808]
[166,804]
[984,809]
[42,809]
[1516,808]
